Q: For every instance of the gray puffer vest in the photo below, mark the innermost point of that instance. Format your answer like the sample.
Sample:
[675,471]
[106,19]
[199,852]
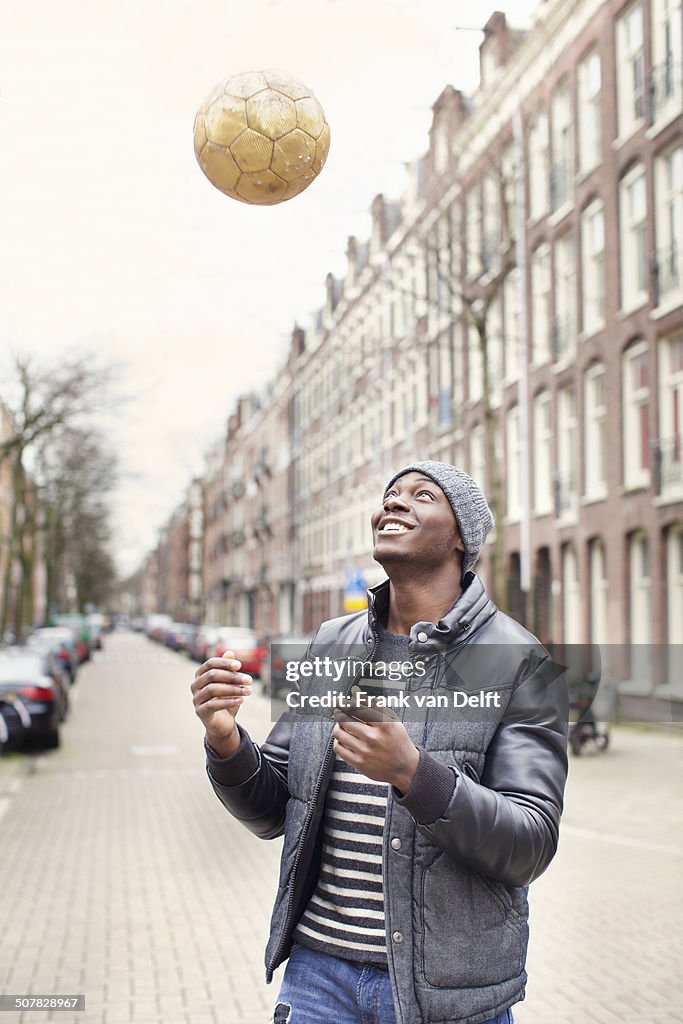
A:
[455,887]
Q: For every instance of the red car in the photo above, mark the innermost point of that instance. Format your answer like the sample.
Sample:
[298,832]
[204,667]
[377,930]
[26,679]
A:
[246,646]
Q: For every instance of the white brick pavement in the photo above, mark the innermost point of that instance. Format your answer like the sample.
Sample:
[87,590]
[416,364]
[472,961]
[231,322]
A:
[125,880]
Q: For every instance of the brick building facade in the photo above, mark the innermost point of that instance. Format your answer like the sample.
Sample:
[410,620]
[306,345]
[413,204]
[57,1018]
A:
[519,312]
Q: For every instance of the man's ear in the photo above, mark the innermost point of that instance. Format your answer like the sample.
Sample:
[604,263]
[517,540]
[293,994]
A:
[459,543]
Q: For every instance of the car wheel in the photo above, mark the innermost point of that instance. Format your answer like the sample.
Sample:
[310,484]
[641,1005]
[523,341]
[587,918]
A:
[52,740]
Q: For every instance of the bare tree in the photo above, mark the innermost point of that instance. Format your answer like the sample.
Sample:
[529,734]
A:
[464,280]
[77,473]
[477,296]
[40,400]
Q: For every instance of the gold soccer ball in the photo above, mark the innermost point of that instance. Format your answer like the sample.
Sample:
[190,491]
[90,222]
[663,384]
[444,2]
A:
[261,137]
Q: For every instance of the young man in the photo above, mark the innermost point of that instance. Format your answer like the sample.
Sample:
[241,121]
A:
[408,844]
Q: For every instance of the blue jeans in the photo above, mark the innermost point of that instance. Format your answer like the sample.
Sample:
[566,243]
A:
[318,989]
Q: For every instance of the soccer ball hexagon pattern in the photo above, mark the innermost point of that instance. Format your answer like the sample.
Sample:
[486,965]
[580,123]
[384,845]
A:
[261,137]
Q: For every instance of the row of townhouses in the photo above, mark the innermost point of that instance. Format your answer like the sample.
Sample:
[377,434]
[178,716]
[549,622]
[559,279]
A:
[518,311]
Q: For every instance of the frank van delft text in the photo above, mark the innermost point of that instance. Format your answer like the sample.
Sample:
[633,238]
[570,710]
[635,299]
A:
[456,699]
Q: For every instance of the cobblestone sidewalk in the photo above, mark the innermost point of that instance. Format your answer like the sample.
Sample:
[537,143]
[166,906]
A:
[125,880]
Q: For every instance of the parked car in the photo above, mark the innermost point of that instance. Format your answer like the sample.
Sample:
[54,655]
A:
[77,623]
[179,635]
[37,680]
[203,641]
[61,641]
[14,721]
[97,624]
[156,626]
[245,644]
[283,648]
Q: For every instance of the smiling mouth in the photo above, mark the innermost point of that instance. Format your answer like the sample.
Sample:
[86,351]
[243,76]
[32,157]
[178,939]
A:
[395,528]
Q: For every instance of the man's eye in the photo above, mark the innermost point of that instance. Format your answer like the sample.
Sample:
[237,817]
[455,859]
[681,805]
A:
[429,493]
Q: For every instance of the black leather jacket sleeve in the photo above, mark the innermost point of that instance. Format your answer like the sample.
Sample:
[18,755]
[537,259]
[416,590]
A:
[506,825]
[252,784]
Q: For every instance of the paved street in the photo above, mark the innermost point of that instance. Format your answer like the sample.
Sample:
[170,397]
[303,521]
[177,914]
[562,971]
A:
[123,878]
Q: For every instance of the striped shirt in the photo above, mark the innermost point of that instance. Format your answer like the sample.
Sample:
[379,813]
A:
[345,915]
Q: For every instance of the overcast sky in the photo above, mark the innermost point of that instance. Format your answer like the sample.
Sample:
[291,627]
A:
[112,239]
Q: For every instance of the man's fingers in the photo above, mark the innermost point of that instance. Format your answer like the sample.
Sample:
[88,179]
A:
[220,675]
[348,722]
[216,703]
[223,689]
[367,714]
[218,688]
[227,662]
[354,735]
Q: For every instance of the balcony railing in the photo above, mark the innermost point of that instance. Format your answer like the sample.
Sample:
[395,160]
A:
[562,337]
[667,459]
[666,273]
[663,82]
[564,489]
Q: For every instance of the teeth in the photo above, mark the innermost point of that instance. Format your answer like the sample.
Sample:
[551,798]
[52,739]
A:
[394,528]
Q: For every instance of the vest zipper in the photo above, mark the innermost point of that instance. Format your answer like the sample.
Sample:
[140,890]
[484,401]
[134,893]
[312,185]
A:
[271,968]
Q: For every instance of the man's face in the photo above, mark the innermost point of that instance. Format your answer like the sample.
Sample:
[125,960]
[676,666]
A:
[415,523]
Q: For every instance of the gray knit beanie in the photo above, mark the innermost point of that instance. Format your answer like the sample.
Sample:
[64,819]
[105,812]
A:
[472,513]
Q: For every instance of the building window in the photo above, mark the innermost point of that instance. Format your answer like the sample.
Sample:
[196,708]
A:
[567,448]
[443,268]
[514,464]
[571,605]
[473,232]
[509,168]
[636,398]
[441,148]
[593,268]
[668,449]
[669,224]
[511,326]
[541,286]
[564,323]
[633,238]
[666,92]
[538,166]
[490,223]
[630,71]
[458,369]
[445,381]
[543,454]
[494,351]
[478,456]
[640,608]
[674,583]
[475,372]
[598,591]
[589,112]
[562,172]
[433,369]
[595,418]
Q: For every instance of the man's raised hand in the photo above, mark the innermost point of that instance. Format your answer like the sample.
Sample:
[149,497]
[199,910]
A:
[218,691]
